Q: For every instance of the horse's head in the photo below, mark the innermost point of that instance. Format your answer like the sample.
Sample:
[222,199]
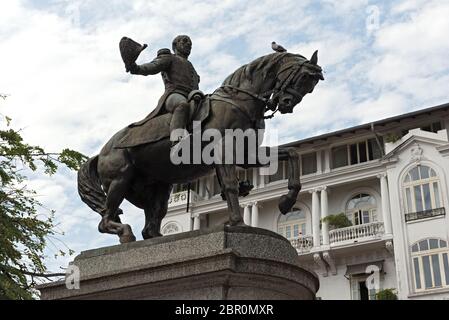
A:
[296,78]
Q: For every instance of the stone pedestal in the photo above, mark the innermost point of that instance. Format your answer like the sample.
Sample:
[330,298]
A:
[222,263]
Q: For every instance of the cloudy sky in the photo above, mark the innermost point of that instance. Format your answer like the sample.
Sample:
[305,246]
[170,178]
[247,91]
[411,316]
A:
[67,86]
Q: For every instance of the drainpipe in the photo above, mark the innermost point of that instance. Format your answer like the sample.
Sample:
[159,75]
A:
[381,146]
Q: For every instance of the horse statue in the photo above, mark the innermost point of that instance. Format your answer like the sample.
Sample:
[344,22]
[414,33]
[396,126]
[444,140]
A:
[144,174]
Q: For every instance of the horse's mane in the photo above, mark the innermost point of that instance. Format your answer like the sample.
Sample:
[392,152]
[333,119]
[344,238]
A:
[264,64]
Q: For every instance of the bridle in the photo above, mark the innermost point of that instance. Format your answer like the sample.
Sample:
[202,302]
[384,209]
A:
[280,88]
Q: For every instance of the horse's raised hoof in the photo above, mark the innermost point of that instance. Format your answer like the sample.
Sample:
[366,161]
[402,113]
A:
[125,238]
[285,204]
[126,235]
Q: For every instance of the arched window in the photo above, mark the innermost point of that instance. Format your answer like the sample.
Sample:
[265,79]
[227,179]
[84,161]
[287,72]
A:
[293,224]
[430,264]
[362,209]
[171,228]
[422,190]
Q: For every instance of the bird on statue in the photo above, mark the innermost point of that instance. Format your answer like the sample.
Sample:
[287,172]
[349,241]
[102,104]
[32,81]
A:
[277,47]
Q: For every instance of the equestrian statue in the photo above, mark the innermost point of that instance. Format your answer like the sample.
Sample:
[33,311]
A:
[137,162]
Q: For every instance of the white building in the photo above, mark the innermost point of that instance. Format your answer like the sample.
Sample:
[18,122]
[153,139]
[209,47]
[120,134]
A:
[389,177]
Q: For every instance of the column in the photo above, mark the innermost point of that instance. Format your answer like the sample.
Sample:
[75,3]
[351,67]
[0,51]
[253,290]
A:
[255,173]
[385,195]
[202,188]
[261,177]
[255,215]
[324,214]
[446,126]
[319,165]
[209,185]
[327,160]
[247,214]
[315,218]
[196,222]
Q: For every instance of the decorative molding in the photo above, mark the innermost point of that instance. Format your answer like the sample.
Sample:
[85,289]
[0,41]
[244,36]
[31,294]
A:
[171,228]
[444,150]
[381,175]
[416,153]
[320,263]
[415,141]
[330,261]
[389,246]
[314,190]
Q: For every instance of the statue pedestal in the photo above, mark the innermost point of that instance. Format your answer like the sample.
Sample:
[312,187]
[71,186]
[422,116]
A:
[221,263]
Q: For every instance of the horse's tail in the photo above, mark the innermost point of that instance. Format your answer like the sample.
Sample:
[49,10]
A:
[89,186]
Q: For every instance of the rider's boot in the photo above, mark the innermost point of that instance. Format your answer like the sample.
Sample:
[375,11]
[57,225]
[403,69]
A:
[179,122]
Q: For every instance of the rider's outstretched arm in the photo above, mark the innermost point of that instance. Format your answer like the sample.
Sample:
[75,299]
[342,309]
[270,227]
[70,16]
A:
[159,64]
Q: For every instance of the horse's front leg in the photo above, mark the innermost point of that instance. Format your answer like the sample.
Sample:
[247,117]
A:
[287,201]
[230,187]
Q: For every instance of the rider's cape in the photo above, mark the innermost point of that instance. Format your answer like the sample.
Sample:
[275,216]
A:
[157,128]
[160,109]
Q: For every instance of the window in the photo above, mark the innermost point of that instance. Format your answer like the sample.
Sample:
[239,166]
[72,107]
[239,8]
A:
[355,153]
[432,127]
[308,163]
[179,187]
[293,224]
[195,186]
[430,264]
[246,174]
[171,228]
[339,156]
[421,191]
[359,290]
[279,175]
[362,209]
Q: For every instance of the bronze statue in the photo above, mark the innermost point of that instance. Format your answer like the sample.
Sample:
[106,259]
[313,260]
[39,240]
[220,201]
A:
[135,164]
[180,78]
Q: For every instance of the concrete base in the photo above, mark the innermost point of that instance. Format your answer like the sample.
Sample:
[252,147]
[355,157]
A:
[222,263]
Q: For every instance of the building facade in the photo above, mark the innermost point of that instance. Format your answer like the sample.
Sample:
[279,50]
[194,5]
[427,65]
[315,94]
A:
[371,213]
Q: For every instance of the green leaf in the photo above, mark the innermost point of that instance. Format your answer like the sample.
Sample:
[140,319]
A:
[23,232]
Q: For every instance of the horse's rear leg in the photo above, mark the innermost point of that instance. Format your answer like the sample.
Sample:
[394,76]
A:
[230,187]
[155,209]
[110,222]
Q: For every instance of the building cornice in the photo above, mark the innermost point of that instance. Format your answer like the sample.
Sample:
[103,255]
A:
[274,190]
[411,140]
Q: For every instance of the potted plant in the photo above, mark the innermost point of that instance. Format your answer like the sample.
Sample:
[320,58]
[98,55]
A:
[337,221]
[387,294]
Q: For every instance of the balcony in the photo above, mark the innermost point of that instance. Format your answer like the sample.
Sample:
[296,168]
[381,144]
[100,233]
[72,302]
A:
[367,231]
[302,244]
[180,198]
[425,214]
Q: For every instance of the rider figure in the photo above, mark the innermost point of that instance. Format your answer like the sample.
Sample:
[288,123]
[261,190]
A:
[180,78]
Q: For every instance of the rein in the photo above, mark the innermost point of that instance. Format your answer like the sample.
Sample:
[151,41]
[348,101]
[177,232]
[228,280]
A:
[280,88]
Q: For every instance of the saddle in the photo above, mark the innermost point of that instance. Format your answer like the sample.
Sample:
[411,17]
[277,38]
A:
[158,128]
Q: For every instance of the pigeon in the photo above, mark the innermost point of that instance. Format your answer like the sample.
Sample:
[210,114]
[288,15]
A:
[277,47]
